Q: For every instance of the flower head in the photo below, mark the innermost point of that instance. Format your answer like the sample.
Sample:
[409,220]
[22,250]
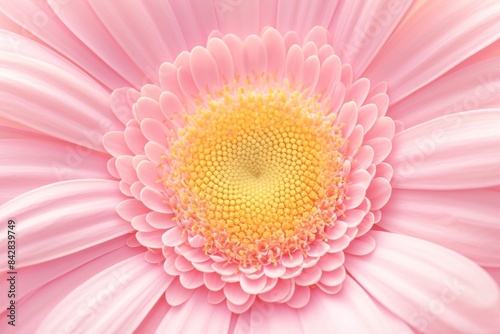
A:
[235,166]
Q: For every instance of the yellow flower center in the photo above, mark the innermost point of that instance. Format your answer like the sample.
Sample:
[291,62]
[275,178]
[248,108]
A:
[258,173]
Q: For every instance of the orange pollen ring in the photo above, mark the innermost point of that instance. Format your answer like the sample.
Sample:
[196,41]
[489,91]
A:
[258,172]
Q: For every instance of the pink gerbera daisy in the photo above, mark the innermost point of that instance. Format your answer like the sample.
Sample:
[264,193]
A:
[238,166]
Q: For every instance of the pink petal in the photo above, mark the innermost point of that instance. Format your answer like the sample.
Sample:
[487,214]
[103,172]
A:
[61,104]
[356,139]
[148,174]
[356,194]
[463,220]
[182,264]
[194,255]
[126,169]
[169,83]
[40,274]
[383,127]
[358,91]
[362,245]
[153,257]
[274,271]
[379,192]
[213,281]
[341,313]
[155,201]
[360,176]
[235,46]
[173,237]
[282,289]
[381,146]
[329,74]
[114,143]
[126,24]
[347,118]
[155,152]
[353,217]
[81,20]
[292,261]
[432,288]
[339,244]
[367,116]
[204,69]
[276,319]
[300,298]
[294,64]
[426,156]
[150,239]
[86,218]
[317,249]
[310,73]
[140,223]
[276,52]
[179,319]
[360,29]
[191,280]
[222,56]
[409,63]
[333,278]
[160,220]
[309,276]
[473,87]
[238,309]
[177,294]
[254,56]
[132,282]
[253,286]
[195,30]
[31,163]
[129,208]
[154,317]
[60,38]
[331,262]
[121,103]
[215,297]
[363,158]
[235,294]
[318,13]
[62,279]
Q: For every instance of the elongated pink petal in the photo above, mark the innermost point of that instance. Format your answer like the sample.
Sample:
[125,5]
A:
[463,220]
[154,318]
[38,304]
[82,21]
[31,163]
[127,25]
[458,151]
[36,276]
[203,19]
[432,288]
[59,104]
[476,86]
[360,29]
[41,20]
[132,282]
[410,63]
[72,216]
